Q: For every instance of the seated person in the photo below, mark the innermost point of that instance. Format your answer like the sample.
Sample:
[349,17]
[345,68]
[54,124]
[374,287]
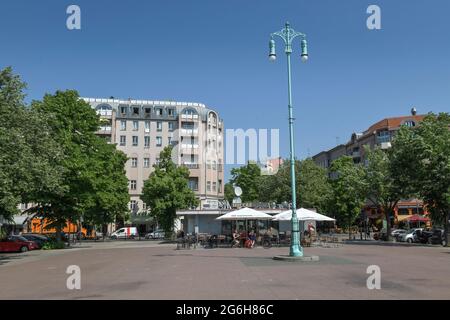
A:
[235,240]
[252,237]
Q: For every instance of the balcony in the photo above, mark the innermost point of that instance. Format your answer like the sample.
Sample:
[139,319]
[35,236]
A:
[356,154]
[106,114]
[189,117]
[104,130]
[189,146]
[189,132]
[191,165]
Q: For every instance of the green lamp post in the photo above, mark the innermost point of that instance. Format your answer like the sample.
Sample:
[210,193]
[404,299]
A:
[288,35]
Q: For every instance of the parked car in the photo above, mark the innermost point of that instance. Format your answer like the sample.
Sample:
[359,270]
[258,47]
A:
[39,239]
[411,236]
[157,234]
[17,244]
[125,233]
[381,235]
[438,237]
[424,236]
[397,233]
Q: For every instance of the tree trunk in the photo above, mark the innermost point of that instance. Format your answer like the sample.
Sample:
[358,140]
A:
[349,229]
[58,233]
[388,225]
[446,229]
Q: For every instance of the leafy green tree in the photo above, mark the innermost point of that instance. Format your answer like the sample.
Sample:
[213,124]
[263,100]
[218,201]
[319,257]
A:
[167,190]
[229,192]
[110,196]
[384,191]
[349,190]
[313,189]
[422,156]
[88,164]
[247,177]
[28,153]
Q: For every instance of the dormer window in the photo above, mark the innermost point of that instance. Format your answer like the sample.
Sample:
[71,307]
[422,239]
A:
[410,123]
[147,111]
[159,111]
[123,110]
[135,111]
[171,112]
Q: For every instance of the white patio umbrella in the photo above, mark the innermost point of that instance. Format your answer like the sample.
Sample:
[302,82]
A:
[245,214]
[302,215]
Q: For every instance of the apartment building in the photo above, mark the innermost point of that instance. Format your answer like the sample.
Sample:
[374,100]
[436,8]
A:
[380,134]
[142,128]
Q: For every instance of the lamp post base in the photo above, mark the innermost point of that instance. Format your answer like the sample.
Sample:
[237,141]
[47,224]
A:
[295,251]
[297,259]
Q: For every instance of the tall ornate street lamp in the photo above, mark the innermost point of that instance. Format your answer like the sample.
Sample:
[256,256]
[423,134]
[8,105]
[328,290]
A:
[288,35]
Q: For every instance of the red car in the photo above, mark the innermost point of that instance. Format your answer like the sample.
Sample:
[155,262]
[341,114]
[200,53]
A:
[17,244]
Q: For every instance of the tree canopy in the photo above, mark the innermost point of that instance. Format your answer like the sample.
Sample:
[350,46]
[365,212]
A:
[167,190]
[29,154]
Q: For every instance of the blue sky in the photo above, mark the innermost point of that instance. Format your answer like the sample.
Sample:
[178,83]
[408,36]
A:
[215,52]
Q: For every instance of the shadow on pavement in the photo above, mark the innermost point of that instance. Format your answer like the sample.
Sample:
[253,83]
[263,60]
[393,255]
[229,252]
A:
[5,258]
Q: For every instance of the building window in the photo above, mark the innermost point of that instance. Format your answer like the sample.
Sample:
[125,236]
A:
[169,140]
[134,162]
[135,141]
[146,142]
[147,126]
[146,162]
[383,136]
[157,161]
[159,126]
[159,111]
[158,141]
[171,112]
[123,110]
[133,205]
[214,165]
[193,183]
[410,123]
[214,186]
[220,186]
[208,186]
[135,125]
[135,111]
[123,125]
[133,184]
[147,112]
[123,140]
[171,126]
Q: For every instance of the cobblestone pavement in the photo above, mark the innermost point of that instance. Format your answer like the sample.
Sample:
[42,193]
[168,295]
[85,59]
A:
[149,270]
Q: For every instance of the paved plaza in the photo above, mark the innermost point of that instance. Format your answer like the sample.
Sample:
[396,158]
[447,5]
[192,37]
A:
[149,270]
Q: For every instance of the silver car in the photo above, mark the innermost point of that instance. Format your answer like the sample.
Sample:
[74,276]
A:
[157,234]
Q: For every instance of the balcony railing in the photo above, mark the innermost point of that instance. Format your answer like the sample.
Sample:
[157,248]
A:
[104,113]
[104,129]
[189,132]
[191,165]
[189,116]
[189,146]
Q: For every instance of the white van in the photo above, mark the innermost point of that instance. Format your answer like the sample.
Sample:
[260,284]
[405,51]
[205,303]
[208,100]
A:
[125,233]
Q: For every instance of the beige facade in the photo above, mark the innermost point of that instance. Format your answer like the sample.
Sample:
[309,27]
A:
[142,128]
